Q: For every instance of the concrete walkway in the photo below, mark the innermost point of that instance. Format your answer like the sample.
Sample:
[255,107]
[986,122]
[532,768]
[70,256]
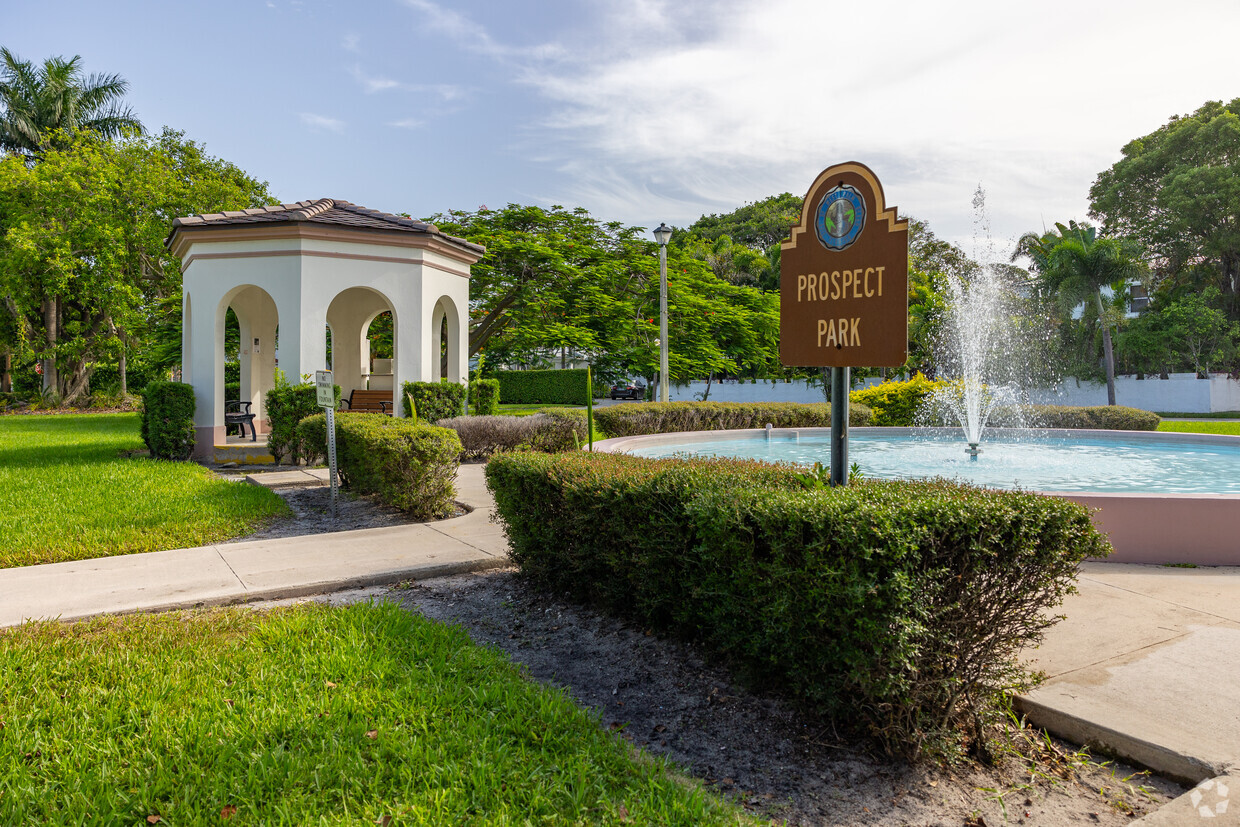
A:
[1147,664]
[261,569]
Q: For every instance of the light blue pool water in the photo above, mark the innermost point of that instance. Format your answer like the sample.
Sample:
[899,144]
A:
[1040,464]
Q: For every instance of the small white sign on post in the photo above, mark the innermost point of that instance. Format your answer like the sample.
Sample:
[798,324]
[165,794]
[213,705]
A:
[325,393]
[324,390]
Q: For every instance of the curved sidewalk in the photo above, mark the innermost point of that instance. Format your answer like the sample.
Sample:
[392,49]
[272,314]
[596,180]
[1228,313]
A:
[260,569]
[1147,664]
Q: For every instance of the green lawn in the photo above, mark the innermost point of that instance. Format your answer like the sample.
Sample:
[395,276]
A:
[65,494]
[355,715]
[1212,427]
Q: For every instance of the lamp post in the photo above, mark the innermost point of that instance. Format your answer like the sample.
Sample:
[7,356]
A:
[662,234]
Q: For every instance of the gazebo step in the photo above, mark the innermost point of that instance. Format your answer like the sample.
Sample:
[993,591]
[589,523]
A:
[247,453]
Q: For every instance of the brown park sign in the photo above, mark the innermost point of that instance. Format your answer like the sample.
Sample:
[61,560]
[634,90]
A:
[844,276]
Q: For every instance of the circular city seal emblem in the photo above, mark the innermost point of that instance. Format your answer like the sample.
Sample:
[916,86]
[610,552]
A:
[840,217]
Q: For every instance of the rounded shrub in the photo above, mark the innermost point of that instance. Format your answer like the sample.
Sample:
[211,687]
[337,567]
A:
[167,425]
[406,464]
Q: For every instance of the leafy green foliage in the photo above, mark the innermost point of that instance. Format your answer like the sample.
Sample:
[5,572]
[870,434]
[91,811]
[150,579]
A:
[484,397]
[433,401]
[68,493]
[362,714]
[168,420]
[1176,191]
[897,403]
[560,283]
[759,224]
[898,609]
[543,387]
[286,406]
[406,464]
[83,268]
[675,417]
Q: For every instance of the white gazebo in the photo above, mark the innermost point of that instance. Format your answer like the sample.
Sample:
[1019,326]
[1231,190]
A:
[292,273]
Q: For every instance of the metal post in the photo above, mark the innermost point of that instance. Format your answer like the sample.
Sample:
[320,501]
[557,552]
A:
[331,455]
[663,322]
[839,426]
[590,404]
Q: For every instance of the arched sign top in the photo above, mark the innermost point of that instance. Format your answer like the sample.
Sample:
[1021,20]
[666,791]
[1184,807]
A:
[844,276]
[837,175]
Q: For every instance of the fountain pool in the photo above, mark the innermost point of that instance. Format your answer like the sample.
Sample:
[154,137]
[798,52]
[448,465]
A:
[1164,497]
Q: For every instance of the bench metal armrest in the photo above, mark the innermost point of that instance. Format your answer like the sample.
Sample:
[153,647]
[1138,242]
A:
[383,406]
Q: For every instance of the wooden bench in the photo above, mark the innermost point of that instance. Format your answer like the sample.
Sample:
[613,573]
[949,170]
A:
[238,413]
[364,401]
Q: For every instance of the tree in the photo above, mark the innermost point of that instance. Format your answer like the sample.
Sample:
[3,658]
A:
[83,268]
[1177,192]
[557,282]
[50,103]
[758,225]
[1074,264]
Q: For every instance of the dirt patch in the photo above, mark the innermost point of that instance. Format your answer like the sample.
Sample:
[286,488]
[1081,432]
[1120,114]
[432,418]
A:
[311,506]
[664,697]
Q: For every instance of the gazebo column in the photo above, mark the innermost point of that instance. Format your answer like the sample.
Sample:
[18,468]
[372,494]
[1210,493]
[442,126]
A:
[206,367]
[312,342]
[411,362]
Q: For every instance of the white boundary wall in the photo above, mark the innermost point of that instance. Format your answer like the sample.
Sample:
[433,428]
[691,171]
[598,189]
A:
[1183,393]
[761,391]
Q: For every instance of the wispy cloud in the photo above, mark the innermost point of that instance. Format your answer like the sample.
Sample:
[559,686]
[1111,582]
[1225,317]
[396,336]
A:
[443,92]
[321,123]
[407,123]
[471,35]
[350,42]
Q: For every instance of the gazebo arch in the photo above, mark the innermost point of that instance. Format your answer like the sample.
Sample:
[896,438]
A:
[307,266]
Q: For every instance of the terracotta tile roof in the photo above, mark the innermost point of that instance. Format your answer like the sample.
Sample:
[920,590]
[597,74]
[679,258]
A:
[321,211]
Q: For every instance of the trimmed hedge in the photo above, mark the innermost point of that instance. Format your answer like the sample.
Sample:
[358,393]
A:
[897,608]
[672,417]
[286,406]
[167,425]
[484,397]
[551,431]
[434,400]
[404,463]
[897,403]
[544,387]
[1107,417]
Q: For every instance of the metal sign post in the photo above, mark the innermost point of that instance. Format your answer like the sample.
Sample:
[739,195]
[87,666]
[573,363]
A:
[844,288]
[325,394]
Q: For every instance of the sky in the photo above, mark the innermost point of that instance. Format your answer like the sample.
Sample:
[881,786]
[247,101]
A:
[649,111]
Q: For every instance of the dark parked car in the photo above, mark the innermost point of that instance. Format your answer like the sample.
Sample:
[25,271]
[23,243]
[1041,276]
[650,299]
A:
[628,390]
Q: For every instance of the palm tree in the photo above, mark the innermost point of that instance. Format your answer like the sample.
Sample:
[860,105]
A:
[1073,264]
[36,102]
